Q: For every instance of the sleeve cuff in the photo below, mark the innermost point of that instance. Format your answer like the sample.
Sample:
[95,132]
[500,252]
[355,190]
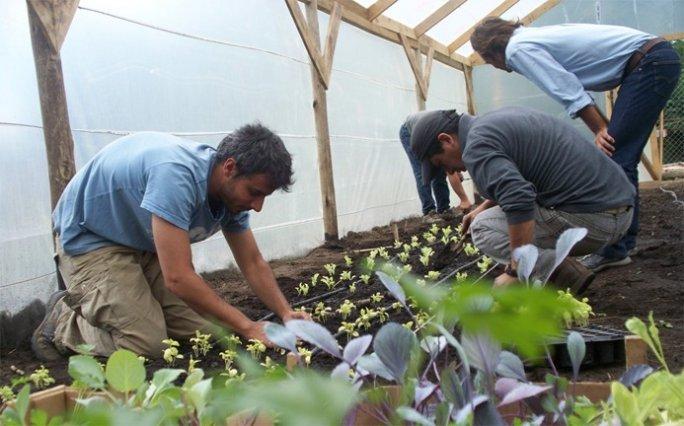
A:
[577,105]
[518,216]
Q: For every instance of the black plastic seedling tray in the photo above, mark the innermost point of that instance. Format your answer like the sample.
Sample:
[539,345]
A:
[605,346]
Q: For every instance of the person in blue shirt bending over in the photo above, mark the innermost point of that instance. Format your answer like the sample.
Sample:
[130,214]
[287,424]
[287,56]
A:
[567,60]
[125,224]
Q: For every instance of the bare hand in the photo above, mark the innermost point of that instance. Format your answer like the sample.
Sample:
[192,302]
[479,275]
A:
[504,280]
[256,331]
[296,315]
[468,220]
[605,142]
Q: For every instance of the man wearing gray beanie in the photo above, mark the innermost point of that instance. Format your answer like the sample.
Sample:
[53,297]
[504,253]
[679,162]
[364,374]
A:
[539,177]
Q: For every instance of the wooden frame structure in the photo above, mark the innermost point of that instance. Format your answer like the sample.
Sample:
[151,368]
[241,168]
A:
[50,19]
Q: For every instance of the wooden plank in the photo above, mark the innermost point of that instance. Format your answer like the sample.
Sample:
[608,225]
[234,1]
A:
[468,73]
[413,58]
[636,351]
[436,16]
[427,71]
[331,39]
[355,14]
[377,8]
[325,167]
[463,38]
[56,17]
[310,43]
[539,11]
[421,90]
[656,159]
[673,36]
[59,143]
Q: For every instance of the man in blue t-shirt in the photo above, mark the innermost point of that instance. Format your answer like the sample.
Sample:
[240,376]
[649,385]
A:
[567,60]
[125,224]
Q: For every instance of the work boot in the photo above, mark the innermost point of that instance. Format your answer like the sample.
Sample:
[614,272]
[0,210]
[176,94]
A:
[573,275]
[597,263]
[44,335]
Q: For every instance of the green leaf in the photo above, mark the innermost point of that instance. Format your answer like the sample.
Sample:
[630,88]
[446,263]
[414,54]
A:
[21,404]
[411,415]
[393,344]
[39,418]
[87,370]
[197,395]
[125,371]
[576,349]
[625,404]
[648,335]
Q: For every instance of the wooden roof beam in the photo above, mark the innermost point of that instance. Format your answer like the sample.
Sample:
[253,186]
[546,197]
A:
[463,38]
[377,8]
[439,14]
[357,15]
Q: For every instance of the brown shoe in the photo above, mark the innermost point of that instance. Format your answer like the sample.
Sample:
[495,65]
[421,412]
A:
[573,275]
[44,335]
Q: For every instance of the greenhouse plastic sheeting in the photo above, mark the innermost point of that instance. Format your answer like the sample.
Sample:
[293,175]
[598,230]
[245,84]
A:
[200,70]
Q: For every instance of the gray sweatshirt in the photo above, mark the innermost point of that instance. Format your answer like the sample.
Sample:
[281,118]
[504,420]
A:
[518,157]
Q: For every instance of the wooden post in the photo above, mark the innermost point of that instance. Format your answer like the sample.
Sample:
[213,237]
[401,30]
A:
[636,351]
[421,75]
[49,21]
[321,66]
[468,74]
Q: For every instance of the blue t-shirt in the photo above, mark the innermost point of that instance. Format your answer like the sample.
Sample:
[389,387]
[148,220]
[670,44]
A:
[111,200]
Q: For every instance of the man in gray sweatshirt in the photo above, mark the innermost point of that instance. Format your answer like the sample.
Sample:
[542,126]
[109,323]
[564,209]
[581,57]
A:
[539,177]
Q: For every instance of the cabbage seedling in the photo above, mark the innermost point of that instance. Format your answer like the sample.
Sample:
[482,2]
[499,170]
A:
[314,279]
[484,264]
[470,249]
[461,276]
[426,252]
[429,237]
[365,278]
[407,248]
[302,289]
[6,394]
[321,312]
[329,282]
[346,309]
[233,341]
[414,242]
[330,268]
[434,229]
[421,282]
[432,275]
[41,378]
[349,328]
[346,276]
[383,253]
[348,261]
[352,288]
[200,344]
[256,348]
[228,356]
[397,244]
[579,312]
[377,297]
[192,363]
[305,354]
[170,354]
[403,256]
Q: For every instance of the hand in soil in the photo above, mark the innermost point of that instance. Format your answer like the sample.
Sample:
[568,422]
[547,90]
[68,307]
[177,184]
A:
[504,280]
[256,331]
[299,315]
[467,220]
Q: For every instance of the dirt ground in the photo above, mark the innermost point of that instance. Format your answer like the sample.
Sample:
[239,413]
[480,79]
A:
[651,283]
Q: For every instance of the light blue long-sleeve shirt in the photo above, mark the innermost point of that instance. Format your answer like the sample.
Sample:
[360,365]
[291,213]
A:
[567,60]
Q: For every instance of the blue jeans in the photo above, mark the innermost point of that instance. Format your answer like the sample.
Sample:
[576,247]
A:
[643,94]
[438,182]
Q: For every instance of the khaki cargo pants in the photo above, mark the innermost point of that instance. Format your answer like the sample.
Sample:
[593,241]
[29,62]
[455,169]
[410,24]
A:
[116,299]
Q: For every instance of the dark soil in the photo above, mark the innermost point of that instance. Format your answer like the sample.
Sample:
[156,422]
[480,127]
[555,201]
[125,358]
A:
[651,283]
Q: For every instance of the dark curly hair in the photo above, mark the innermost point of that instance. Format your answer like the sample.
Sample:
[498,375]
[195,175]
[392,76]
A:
[257,150]
[491,37]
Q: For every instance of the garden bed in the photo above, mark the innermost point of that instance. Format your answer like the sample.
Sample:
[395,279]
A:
[655,276]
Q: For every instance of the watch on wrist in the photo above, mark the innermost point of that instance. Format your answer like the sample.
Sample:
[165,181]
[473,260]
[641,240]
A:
[510,270]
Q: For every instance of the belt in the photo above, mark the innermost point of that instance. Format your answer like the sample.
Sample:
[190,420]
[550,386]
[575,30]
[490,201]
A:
[618,210]
[637,56]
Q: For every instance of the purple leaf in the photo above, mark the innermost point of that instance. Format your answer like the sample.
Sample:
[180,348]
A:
[462,415]
[315,334]
[423,391]
[635,374]
[355,348]
[482,351]
[393,344]
[372,364]
[281,336]
[392,286]
[576,349]
[510,366]
[523,391]
[504,386]
[526,257]
[433,345]
[340,372]
[564,245]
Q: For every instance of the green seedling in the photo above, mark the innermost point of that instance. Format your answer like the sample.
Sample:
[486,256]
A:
[461,276]
[434,229]
[348,261]
[170,354]
[403,257]
[346,276]
[330,268]
[365,278]
[321,312]
[233,341]
[6,394]
[432,275]
[470,250]
[41,378]
[314,279]
[414,242]
[425,254]
[579,312]
[407,248]
[348,328]
[192,364]
[421,282]
[329,282]
[377,297]
[228,356]
[383,253]
[200,344]
[346,309]
[305,354]
[397,306]
[302,289]
[352,288]
[255,348]
[397,244]
[429,237]
[484,264]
